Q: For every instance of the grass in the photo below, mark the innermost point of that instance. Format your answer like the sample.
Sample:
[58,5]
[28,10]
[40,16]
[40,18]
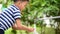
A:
[47,31]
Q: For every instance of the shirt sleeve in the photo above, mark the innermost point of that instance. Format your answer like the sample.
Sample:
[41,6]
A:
[17,14]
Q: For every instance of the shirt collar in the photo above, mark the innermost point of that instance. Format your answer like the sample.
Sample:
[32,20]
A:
[15,6]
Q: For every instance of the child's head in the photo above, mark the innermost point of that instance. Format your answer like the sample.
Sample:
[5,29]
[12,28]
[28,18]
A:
[21,3]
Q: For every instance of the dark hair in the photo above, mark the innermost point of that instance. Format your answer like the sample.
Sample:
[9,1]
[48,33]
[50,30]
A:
[24,0]
[15,0]
[20,0]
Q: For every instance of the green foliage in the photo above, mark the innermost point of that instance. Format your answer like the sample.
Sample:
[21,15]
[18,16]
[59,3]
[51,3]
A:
[36,9]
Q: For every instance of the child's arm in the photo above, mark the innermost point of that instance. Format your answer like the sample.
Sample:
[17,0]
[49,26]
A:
[19,26]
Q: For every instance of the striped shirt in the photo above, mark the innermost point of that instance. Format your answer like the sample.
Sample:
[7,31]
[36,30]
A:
[8,17]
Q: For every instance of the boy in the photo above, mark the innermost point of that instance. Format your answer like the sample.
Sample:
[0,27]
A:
[10,17]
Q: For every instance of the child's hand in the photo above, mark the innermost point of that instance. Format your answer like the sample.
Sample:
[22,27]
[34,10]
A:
[30,29]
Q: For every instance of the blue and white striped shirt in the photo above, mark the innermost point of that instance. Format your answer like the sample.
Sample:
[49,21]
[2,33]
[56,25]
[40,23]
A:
[8,17]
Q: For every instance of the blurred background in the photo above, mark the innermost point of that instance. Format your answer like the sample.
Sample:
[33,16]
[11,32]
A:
[37,9]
